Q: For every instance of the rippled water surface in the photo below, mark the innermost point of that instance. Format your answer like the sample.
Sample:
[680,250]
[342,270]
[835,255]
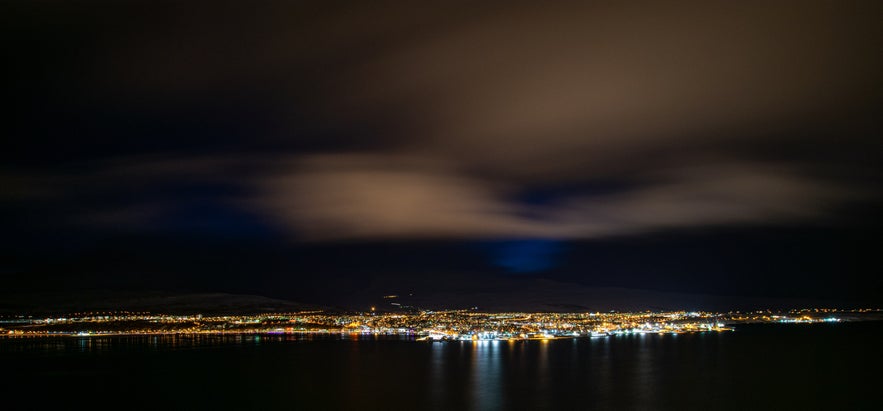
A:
[756,367]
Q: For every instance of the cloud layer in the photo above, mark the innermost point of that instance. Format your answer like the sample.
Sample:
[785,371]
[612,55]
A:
[458,121]
[358,196]
[363,196]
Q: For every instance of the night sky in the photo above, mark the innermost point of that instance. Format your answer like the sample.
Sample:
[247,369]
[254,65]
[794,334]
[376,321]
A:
[308,150]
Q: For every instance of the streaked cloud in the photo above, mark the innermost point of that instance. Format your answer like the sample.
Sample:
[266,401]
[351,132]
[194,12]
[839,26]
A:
[356,196]
[391,121]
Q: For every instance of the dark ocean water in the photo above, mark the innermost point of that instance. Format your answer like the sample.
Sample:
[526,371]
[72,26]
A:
[756,367]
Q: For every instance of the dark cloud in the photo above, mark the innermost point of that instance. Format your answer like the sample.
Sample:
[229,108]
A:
[332,122]
[344,196]
[337,197]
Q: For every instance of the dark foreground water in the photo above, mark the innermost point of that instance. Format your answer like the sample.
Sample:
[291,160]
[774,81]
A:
[757,367]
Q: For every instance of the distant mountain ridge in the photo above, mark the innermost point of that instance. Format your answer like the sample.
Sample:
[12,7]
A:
[157,302]
[497,294]
[560,297]
[402,295]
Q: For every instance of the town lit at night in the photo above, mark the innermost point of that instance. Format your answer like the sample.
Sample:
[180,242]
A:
[441,205]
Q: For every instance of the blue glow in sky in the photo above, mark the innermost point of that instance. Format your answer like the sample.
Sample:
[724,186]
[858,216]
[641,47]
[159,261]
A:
[525,256]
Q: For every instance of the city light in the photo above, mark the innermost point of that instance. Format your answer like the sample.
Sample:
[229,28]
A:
[443,325]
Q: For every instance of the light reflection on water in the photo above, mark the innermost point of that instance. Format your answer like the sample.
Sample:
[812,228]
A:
[542,374]
[645,373]
[99,344]
[437,373]
[166,342]
[486,375]
[387,372]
